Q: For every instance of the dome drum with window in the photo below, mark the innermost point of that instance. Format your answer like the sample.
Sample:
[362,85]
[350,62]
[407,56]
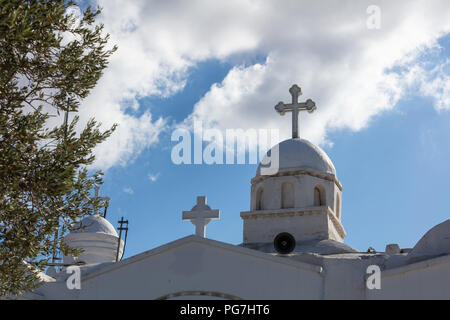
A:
[306,178]
[303,198]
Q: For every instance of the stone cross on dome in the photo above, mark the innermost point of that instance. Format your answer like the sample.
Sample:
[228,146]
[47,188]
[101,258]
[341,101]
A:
[106,199]
[295,107]
[200,215]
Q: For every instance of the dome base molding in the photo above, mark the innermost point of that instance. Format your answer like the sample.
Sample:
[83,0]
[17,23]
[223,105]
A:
[310,223]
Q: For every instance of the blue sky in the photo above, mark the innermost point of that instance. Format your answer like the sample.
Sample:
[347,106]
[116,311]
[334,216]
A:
[383,110]
[395,173]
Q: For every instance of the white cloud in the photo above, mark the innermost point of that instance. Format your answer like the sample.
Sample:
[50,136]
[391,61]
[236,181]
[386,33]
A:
[324,46]
[435,83]
[337,61]
[128,190]
[153,177]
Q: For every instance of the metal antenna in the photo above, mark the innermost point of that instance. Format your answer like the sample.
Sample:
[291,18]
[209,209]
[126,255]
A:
[121,228]
[106,206]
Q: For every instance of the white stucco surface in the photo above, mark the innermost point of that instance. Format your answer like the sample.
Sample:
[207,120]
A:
[427,279]
[95,224]
[435,242]
[301,154]
[97,238]
[195,264]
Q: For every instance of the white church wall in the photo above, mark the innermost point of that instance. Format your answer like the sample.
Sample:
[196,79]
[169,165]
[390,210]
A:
[200,267]
[195,268]
[345,276]
[58,290]
[429,279]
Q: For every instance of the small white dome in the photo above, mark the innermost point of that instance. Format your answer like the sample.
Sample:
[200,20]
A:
[434,243]
[95,224]
[98,239]
[301,154]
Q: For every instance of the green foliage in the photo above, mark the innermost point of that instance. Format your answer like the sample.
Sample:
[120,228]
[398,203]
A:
[48,65]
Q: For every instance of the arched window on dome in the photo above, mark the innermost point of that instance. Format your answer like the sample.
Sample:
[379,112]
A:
[338,206]
[259,199]
[319,196]
[287,195]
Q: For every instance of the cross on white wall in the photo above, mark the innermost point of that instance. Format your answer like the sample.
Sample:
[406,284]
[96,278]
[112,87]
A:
[200,215]
[295,107]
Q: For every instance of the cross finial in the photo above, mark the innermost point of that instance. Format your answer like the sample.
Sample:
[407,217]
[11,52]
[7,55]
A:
[296,92]
[200,215]
[201,201]
[295,107]
[96,190]
[106,199]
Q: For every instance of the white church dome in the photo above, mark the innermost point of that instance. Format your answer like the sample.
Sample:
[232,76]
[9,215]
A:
[95,224]
[301,154]
[97,238]
[434,243]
